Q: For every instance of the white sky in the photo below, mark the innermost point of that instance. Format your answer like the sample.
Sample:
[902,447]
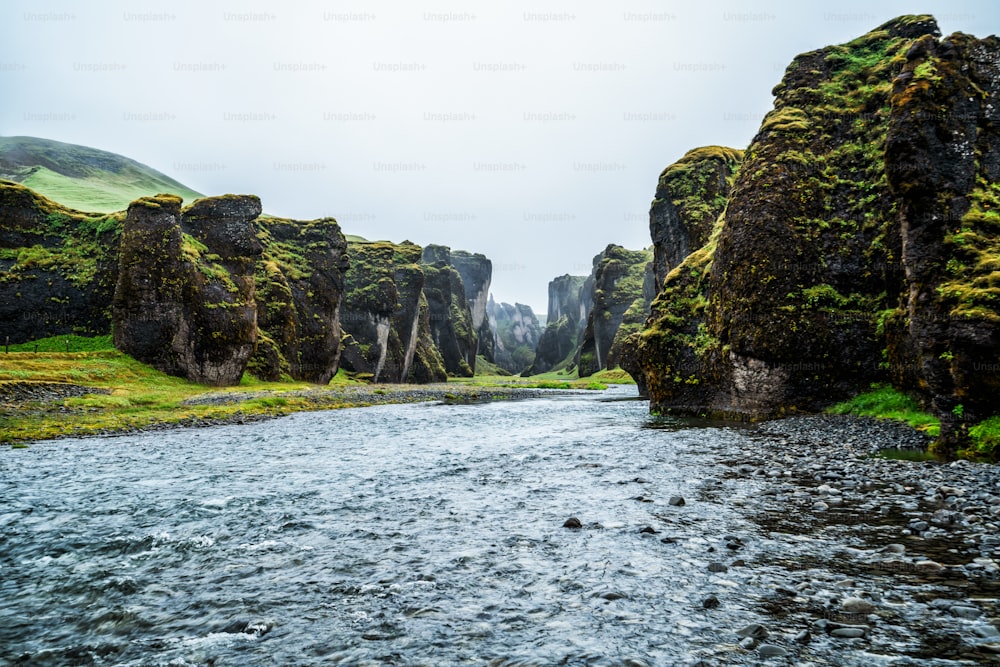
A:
[533,133]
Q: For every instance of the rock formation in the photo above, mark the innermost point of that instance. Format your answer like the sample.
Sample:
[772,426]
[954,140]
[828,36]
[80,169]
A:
[570,299]
[690,196]
[477,273]
[855,246]
[622,291]
[58,267]
[450,316]
[942,161]
[517,332]
[184,301]
[299,286]
[387,315]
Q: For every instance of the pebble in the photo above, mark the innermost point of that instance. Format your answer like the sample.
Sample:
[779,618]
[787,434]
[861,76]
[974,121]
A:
[711,602]
[572,522]
[717,567]
[771,651]
[850,632]
[857,606]
[677,501]
[754,631]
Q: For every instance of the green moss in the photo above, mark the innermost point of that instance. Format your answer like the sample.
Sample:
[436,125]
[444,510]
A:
[886,402]
[985,439]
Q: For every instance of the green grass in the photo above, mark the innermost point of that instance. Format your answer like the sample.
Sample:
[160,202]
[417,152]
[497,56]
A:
[132,394]
[613,376]
[885,402]
[985,438]
[61,343]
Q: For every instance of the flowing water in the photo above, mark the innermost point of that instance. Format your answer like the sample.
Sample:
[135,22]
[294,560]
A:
[391,535]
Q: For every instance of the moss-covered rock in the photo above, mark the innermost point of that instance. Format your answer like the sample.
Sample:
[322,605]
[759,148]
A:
[184,300]
[621,284]
[382,313]
[451,325]
[857,243]
[517,332]
[476,271]
[299,288]
[690,196]
[58,267]
[943,165]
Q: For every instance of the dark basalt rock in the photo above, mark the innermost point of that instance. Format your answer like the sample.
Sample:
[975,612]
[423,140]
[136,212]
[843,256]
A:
[622,291]
[477,273]
[690,196]
[184,301]
[570,300]
[386,315]
[450,317]
[516,332]
[943,165]
[858,243]
[58,267]
[299,288]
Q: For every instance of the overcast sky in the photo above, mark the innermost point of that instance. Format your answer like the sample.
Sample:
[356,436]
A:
[532,132]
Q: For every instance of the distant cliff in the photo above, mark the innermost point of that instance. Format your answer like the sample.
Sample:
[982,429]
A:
[410,315]
[570,299]
[589,316]
[387,317]
[516,331]
[855,246]
[623,289]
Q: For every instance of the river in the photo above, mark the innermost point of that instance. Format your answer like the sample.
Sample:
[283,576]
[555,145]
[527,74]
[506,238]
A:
[422,534]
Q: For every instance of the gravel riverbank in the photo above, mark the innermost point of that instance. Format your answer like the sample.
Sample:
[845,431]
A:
[864,555]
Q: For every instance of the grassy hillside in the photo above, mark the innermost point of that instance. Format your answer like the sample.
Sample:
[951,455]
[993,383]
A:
[83,178]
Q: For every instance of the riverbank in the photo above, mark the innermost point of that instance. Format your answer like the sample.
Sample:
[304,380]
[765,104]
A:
[52,395]
[900,555]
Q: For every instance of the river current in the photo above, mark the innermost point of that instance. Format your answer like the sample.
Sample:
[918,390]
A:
[419,534]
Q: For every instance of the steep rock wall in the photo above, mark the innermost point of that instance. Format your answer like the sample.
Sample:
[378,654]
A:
[184,301]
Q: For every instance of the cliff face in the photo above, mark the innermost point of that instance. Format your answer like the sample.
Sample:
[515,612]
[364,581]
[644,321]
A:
[690,196]
[450,316]
[570,299]
[619,278]
[943,167]
[58,267]
[299,285]
[855,246]
[477,274]
[184,301]
[387,316]
[407,311]
[517,332]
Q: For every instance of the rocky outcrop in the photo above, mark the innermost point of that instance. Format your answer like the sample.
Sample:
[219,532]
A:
[58,267]
[690,196]
[856,243]
[517,332]
[451,325]
[299,286]
[387,316]
[570,299]
[477,273]
[622,290]
[184,301]
[943,168]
